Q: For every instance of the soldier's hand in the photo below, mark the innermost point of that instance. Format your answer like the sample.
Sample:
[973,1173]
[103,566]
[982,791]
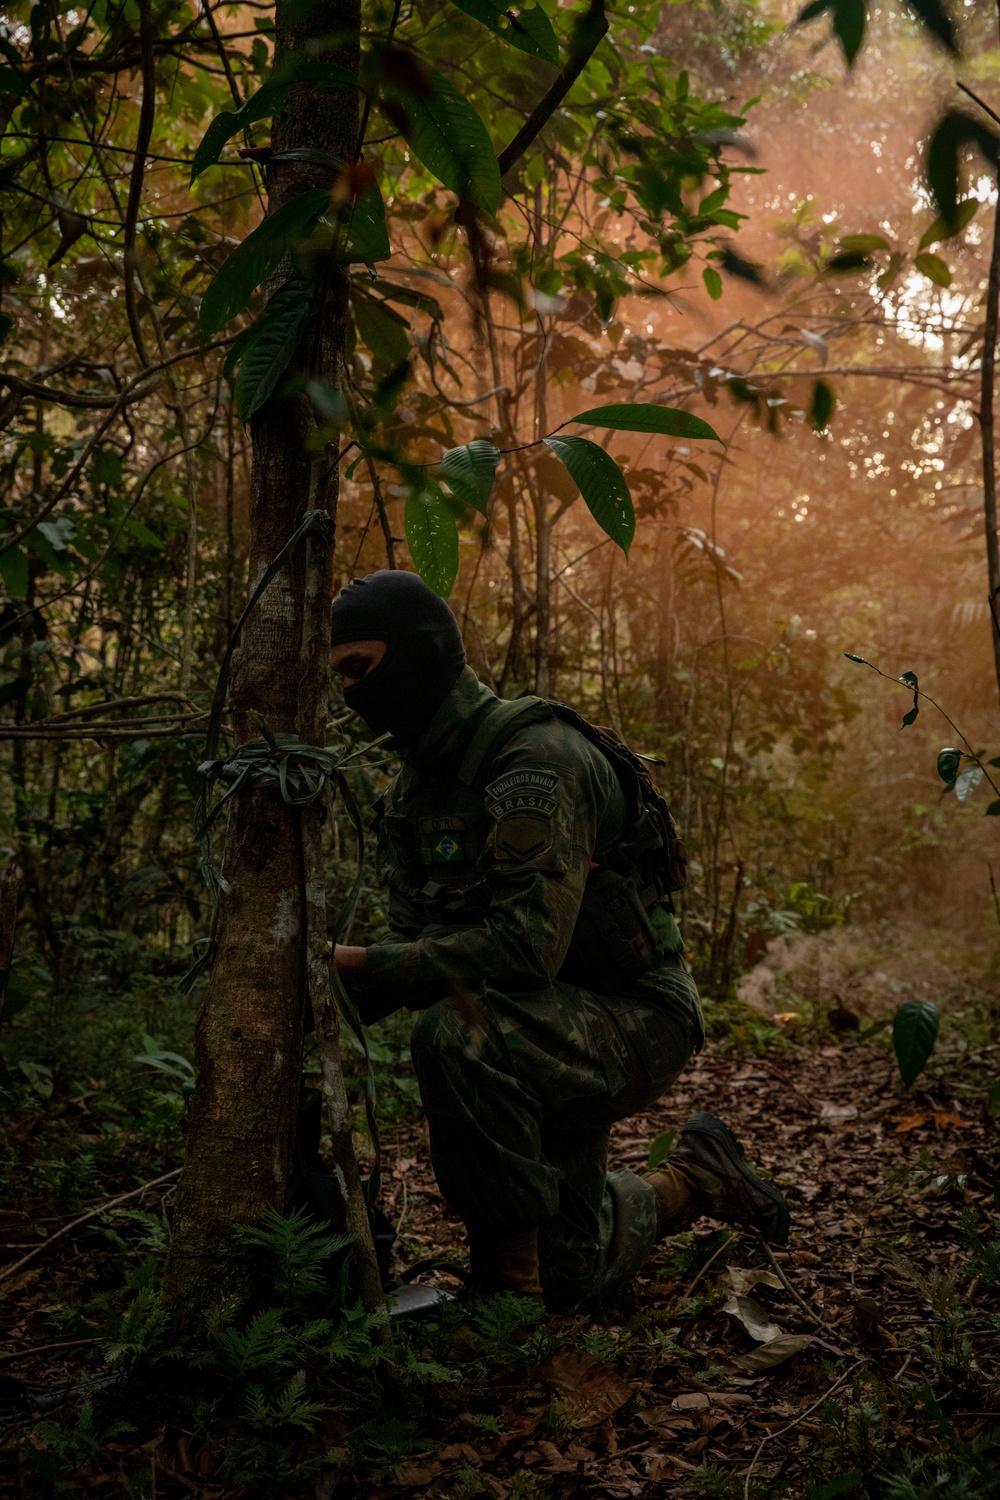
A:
[352,963]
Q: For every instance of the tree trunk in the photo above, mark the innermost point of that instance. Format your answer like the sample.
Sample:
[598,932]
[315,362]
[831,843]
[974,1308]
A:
[250,1031]
[986,421]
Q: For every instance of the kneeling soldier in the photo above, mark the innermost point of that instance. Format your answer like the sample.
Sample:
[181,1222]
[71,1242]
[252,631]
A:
[529,863]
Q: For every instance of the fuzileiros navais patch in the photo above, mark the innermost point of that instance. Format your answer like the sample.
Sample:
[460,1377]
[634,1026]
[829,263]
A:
[522,805]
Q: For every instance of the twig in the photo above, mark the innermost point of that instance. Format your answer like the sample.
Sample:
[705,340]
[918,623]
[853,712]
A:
[45,1348]
[7,1271]
[782,1430]
[147,113]
[591,29]
[711,1259]
[919,692]
[810,1313]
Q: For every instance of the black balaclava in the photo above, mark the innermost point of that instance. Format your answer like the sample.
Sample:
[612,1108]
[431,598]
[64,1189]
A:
[424,653]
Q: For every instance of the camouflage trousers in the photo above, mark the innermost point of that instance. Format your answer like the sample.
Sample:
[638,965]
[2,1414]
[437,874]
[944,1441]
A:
[520,1096]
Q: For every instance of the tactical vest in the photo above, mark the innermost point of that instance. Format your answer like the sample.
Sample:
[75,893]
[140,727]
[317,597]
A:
[615,942]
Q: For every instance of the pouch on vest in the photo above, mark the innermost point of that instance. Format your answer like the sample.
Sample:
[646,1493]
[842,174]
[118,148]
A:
[613,942]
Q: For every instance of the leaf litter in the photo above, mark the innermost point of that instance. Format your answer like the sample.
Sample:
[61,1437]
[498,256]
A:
[703,1366]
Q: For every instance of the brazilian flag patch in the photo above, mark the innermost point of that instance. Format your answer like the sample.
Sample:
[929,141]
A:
[446,848]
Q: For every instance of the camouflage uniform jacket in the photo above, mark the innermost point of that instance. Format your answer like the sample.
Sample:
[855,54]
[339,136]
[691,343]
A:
[486,863]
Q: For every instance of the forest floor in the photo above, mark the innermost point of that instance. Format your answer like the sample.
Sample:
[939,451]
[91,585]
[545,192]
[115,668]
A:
[874,1367]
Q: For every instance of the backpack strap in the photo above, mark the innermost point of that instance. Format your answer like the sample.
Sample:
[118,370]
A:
[499,725]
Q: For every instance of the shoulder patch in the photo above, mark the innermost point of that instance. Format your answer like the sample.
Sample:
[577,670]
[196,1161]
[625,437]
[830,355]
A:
[522,837]
[528,791]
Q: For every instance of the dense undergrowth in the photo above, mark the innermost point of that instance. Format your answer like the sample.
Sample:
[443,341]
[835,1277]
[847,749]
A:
[304,1397]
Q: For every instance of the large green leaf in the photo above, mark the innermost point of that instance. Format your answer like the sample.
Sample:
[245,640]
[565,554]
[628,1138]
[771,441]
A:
[933,267]
[937,20]
[443,131]
[364,236]
[259,254]
[942,230]
[914,1032]
[470,472]
[383,330]
[952,134]
[849,17]
[276,337]
[527,27]
[646,416]
[267,101]
[821,407]
[14,572]
[602,485]
[432,537]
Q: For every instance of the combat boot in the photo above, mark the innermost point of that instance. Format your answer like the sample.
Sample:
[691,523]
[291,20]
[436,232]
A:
[708,1173]
[506,1268]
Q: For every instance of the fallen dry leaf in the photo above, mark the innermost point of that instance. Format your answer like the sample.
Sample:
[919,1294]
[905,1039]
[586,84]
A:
[775,1352]
[418,1473]
[942,1121]
[588,1392]
[836,1114]
[554,1461]
[910,1122]
[744,1281]
[754,1319]
[692,1401]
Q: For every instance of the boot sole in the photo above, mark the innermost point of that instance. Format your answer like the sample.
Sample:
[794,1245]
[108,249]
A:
[779,1223]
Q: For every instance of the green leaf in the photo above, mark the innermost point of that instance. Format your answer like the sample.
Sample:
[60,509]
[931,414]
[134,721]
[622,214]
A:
[528,28]
[602,485]
[267,101]
[470,472]
[910,717]
[933,267]
[420,301]
[948,762]
[647,416]
[444,132]
[713,283]
[278,333]
[259,254]
[383,330]
[863,244]
[937,20]
[821,408]
[849,19]
[848,260]
[660,1149]
[14,572]
[993,811]
[942,230]
[848,22]
[851,657]
[12,82]
[432,537]
[910,678]
[364,237]
[953,133]
[914,1032]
